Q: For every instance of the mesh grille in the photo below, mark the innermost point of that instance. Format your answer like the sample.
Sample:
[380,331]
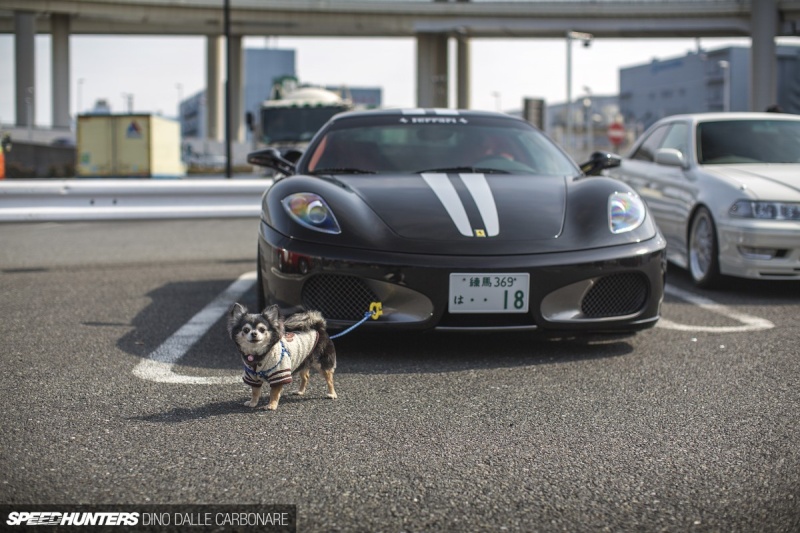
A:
[615,295]
[338,297]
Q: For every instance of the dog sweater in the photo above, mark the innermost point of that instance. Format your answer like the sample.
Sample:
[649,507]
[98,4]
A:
[284,358]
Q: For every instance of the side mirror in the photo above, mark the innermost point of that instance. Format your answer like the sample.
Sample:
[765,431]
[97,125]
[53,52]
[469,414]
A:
[292,155]
[669,157]
[271,158]
[599,161]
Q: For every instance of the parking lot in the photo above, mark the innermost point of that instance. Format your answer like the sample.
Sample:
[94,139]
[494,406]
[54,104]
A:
[121,387]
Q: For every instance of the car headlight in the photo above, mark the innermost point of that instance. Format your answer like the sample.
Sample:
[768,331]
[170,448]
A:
[765,210]
[310,210]
[626,212]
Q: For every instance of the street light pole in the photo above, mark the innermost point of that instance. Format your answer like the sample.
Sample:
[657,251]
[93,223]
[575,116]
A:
[588,119]
[128,101]
[228,70]
[80,90]
[726,85]
[497,104]
[29,112]
[586,38]
[179,86]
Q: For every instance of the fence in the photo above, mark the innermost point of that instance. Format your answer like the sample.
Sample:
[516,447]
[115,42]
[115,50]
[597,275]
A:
[88,199]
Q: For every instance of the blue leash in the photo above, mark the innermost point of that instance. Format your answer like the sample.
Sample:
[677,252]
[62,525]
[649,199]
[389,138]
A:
[367,316]
[375,311]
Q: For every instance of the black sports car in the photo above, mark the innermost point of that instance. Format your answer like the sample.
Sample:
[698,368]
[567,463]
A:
[455,220]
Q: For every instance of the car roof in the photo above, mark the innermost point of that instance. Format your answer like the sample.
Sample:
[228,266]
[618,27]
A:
[416,111]
[716,117]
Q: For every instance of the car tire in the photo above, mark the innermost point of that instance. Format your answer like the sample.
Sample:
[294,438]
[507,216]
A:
[703,250]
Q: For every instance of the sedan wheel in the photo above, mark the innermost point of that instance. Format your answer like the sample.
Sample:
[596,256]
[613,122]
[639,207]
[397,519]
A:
[703,250]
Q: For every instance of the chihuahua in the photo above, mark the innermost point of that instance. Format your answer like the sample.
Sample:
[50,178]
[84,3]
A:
[273,349]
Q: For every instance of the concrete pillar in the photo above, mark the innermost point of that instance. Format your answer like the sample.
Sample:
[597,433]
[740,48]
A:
[214,93]
[763,63]
[237,89]
[60,86]
[462,72]
[432,70]
[25,67]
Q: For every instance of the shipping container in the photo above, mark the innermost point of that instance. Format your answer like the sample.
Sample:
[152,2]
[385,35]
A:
[134,145]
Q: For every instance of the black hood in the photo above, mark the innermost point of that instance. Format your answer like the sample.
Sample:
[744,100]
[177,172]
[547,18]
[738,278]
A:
[456,214]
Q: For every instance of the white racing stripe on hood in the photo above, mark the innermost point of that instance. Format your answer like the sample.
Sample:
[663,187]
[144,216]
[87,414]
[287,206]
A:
[481,193]
[447,194]
[478,187]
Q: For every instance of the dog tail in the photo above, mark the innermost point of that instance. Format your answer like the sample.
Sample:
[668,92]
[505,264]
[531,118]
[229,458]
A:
[305,321]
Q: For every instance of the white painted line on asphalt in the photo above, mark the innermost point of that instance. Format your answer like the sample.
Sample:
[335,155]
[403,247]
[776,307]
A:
[749,322]
[159,365]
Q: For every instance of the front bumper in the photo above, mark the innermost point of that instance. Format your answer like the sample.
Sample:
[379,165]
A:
[760,249]
[617,288]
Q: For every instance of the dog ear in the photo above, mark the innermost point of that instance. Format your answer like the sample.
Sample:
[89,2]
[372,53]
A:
[272,313]
[235,314]
[273,316]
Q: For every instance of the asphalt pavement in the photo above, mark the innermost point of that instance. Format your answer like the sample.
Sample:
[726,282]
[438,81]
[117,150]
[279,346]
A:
[690,426]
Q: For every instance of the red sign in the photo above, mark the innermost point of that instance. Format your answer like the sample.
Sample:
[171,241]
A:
[616,133]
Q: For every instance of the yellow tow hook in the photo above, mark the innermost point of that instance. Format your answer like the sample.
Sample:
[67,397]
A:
[376,309]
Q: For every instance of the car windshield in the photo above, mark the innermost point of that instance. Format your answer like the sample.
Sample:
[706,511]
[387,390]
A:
[409,144]
[748,141]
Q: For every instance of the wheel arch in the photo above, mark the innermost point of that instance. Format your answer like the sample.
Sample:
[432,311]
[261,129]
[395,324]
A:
[692,213]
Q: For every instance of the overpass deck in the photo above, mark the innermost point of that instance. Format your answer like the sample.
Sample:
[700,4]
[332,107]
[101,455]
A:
[406,18]
[431,22]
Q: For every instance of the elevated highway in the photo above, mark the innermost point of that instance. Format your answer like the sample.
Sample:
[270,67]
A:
[431,22]
[407,18]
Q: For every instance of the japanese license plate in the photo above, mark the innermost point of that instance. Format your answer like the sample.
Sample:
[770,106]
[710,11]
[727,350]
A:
[489,293]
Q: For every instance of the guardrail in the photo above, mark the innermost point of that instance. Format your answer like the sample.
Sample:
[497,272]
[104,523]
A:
[71,200]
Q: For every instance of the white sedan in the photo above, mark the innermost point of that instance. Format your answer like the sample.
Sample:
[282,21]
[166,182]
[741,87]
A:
[724,188]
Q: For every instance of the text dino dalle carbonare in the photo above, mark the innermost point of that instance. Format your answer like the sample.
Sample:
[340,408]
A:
[147,519]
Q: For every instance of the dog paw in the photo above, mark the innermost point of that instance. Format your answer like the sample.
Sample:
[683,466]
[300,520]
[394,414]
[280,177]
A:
[271,407]
[250,403]
[298,393]
[332,395]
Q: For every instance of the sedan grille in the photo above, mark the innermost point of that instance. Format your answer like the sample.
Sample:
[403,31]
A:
[338,297]
[616,295]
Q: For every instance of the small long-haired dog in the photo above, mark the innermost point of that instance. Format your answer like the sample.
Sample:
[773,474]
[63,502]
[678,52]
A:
[273,349]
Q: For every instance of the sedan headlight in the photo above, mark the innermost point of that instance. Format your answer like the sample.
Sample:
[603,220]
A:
[626,212]
[310,210]
[765,210]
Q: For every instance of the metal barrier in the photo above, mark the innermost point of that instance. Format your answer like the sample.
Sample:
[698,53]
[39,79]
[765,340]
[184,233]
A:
[69,200]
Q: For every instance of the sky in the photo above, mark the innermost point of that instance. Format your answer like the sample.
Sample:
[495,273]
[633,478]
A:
[158,71]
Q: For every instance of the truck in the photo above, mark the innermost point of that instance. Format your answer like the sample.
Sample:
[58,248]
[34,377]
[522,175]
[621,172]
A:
[294,113]
[128,145]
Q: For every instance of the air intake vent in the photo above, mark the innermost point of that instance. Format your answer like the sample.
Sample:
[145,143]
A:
[615,295]
[338,297]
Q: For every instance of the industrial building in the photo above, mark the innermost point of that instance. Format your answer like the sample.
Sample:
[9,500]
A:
[702,81]
[699,81]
